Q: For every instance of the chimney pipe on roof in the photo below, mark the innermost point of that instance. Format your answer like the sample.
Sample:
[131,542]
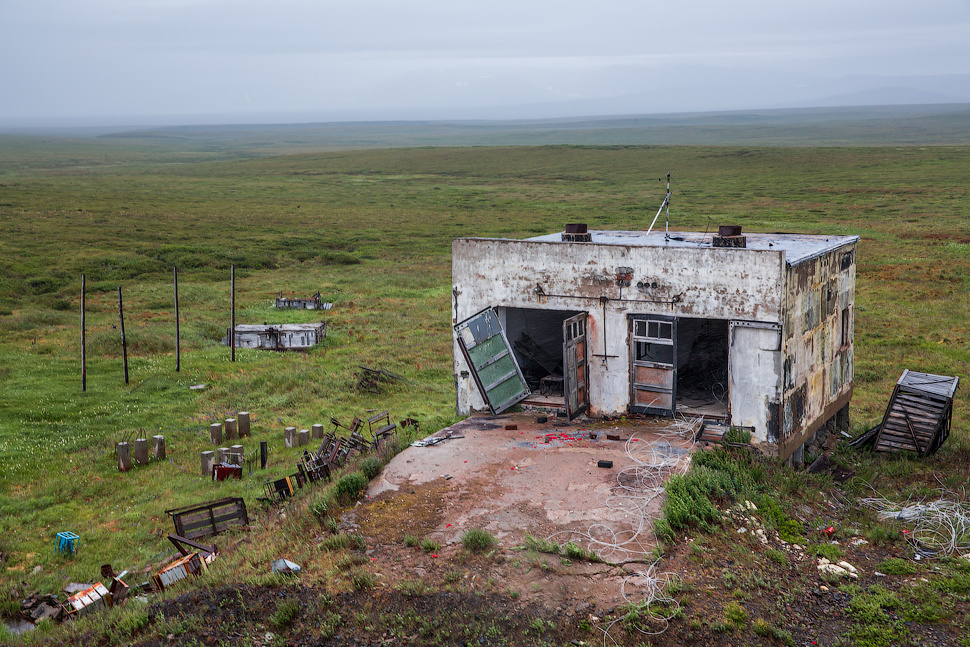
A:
[577,233]
[729,236]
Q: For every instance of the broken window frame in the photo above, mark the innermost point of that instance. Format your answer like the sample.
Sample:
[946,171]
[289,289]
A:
[484,327]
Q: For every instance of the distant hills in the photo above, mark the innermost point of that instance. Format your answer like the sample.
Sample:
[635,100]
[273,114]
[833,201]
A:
[891,125]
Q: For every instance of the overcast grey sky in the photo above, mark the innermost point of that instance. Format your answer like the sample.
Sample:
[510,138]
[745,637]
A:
[232,61]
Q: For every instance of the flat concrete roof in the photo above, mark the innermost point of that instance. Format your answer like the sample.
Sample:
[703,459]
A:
[797,247]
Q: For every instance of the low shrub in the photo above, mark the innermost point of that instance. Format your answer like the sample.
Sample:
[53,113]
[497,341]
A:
[477,540]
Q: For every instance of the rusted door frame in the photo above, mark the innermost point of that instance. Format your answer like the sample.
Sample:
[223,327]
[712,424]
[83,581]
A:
[575,363]
[633,319]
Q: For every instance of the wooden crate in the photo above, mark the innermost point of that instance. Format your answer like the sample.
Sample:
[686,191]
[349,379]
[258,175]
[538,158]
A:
[209,518]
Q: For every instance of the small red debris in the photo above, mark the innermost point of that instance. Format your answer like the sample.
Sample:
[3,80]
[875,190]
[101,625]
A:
[829,531]
[447,525]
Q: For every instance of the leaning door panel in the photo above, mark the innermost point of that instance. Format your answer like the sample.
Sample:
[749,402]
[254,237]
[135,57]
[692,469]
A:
[491,361]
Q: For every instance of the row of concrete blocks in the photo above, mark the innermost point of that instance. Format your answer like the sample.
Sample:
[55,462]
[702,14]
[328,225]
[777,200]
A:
[294,438]
[232,455]
[235,428]
[141,452]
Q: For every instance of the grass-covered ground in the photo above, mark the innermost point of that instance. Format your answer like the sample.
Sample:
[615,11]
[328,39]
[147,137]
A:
[372,231]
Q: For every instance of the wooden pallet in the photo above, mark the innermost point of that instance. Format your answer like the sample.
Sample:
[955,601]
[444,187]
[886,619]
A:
[918,416]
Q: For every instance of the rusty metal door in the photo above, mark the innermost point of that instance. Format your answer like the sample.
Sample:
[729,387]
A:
[491,361]
[653,364]
[575,365]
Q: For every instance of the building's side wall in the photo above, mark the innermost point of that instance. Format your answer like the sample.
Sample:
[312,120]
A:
[818,344]
[730,284]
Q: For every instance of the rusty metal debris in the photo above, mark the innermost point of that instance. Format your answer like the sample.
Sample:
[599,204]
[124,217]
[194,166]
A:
[918,416]
[180,569]
[209,518]
[438,437]
[302,303]
[372,379]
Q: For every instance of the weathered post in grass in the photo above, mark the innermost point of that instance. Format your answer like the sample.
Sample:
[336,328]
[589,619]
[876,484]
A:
[317,431]
[215,433]
[124,347]
[263,451]
[124,456]
[243,421]
[84,368]
[208,461]
[141,451]
[303,438]
[232,316]
[158,447]
[221,455]
[178,358]
[230,428]
[238,454]
[289,437]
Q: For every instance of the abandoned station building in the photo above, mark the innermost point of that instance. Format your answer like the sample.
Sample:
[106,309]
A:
[750,329]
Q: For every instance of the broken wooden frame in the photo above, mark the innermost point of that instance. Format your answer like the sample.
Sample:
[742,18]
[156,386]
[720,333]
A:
[209,518]
[918,415]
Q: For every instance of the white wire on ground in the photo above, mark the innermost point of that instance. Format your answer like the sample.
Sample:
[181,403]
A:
[940,528]
[636,489]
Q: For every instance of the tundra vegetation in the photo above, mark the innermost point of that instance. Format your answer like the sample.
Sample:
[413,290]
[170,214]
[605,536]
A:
[371,230]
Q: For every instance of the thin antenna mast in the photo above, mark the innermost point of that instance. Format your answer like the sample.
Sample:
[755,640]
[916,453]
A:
[664,204]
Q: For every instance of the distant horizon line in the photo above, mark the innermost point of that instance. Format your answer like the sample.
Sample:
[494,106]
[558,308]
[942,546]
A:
[108,124]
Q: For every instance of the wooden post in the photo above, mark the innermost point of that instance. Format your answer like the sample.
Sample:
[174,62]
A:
[303,438]
[317,432]
[124,343]
[221,455]
[158,447]
[178,358]
[243,422]
[238,454]
[84,367]
[289,437]
[141,451]
[232,317]
[263,451]
[215,433]
[124,456]
[230,428]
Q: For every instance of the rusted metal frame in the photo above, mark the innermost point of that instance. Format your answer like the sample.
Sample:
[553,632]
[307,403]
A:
[631,319]
[474,372]
[572,364]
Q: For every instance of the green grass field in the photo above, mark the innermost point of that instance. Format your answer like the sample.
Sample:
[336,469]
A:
[371,230]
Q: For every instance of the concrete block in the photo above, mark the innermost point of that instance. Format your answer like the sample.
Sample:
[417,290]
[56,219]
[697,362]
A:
[243,421]
[141,451]
[289,437]
[124,456]
[158,447]
[237,452]
[208,462]
[317,432]
[215,433]
[221,454]
[231,433]
[303,438]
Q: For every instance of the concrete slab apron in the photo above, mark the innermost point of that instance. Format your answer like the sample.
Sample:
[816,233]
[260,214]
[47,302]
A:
[529,485]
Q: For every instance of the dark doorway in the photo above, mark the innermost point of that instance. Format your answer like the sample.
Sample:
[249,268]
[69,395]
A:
[702,366]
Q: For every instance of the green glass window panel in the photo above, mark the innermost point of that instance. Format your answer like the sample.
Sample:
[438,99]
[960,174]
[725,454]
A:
[496,371]
[486,350]
[505,391]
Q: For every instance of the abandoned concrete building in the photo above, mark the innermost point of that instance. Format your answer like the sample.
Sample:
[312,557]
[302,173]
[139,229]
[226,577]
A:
[755,330]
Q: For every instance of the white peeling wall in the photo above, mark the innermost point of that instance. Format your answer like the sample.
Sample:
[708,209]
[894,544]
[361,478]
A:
[683,282]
